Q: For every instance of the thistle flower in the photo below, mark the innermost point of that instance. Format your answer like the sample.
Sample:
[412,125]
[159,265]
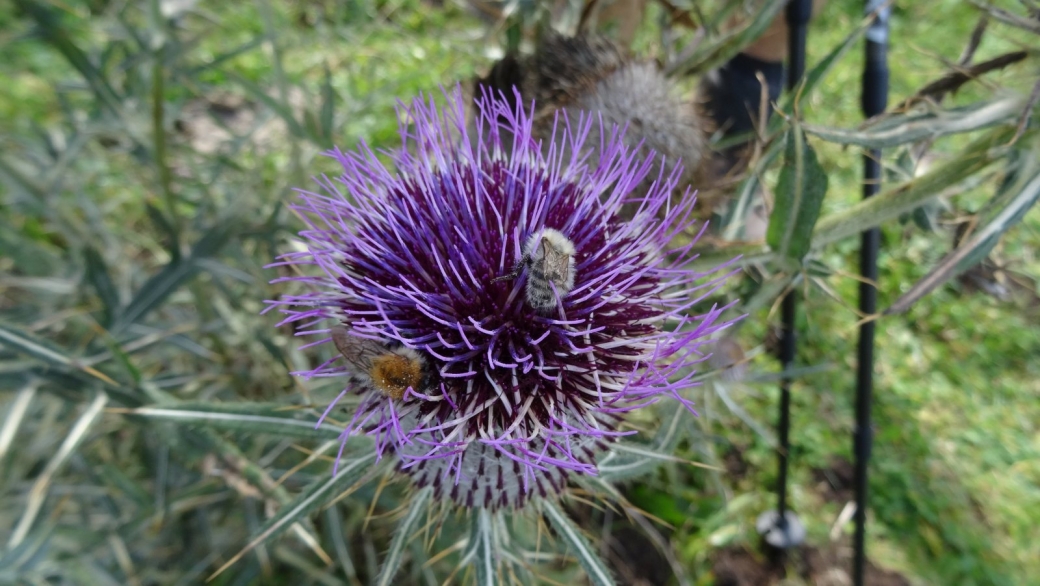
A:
[407,264]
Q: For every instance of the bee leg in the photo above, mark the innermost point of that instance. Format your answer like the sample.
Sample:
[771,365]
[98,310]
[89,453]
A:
[517,269]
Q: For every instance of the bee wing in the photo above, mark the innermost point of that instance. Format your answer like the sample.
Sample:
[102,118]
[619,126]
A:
[537,248]
[358,352]
[556,263]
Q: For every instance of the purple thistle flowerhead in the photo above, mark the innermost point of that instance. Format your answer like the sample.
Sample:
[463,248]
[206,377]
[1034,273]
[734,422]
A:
[482,388]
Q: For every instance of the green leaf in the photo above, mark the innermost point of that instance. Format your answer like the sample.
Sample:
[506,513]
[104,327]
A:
[768,291]
[17,176]
[708,55]
[98,277]
[789,101]
[818,268]
[482,547]
[799,197]
[813,77]
[737,211]
[260,419]
[894,201]
[914,126]
[597,571]
[327,115]
[318,494]
[38,493]
[711,258]
[224,57]
[1028,23]
[629,459]
[403,535]
[282,110]
[19,559]
[35,347]
[334,527]
[119,485]
[976,249]
[31,257]
[52,31]
[16,410]
[164,227]
[174,275]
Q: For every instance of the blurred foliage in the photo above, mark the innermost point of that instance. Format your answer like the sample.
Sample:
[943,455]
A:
[151,431]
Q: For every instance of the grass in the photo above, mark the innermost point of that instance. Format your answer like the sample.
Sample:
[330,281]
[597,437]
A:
[133,261]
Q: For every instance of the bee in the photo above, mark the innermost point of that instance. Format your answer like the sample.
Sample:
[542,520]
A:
[550,255]
[391,370]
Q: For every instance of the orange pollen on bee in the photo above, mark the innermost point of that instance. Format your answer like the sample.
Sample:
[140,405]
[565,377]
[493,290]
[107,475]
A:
[392,374]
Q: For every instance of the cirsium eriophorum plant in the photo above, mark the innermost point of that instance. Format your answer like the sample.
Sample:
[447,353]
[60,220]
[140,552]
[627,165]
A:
[479,395]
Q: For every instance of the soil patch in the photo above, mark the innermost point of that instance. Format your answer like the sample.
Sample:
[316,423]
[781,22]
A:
[834,483]
[827,566]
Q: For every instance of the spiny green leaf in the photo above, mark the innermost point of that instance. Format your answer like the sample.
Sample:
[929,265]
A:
[403,535]
[818,268]
[16,410]
[68,382]
[318,494]
[164,227]
[120,485]
[335,529]
[597,571]
[708,55]
[31,185]
[914,126]
[85,570]
[327,115]
[29,256]
[1028,23]
[736,213]
[41,486]
[98,276]
[224,57]
[482,547]
[52,31]
[789,101]
[769,291]
[976,249]
[1020,167]
[628,459]
[282,110]
[175,274]
[820,70]
[739,255]
[244,418]
[799,197]
[813,77]
[894,201]
[37,348]
[19,559]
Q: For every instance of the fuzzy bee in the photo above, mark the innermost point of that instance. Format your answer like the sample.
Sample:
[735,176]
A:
[550,256]
[377,365]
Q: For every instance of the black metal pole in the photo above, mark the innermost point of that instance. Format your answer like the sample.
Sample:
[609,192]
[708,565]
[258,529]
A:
[782,529]
[798,14]
[788,343]
[874,102]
